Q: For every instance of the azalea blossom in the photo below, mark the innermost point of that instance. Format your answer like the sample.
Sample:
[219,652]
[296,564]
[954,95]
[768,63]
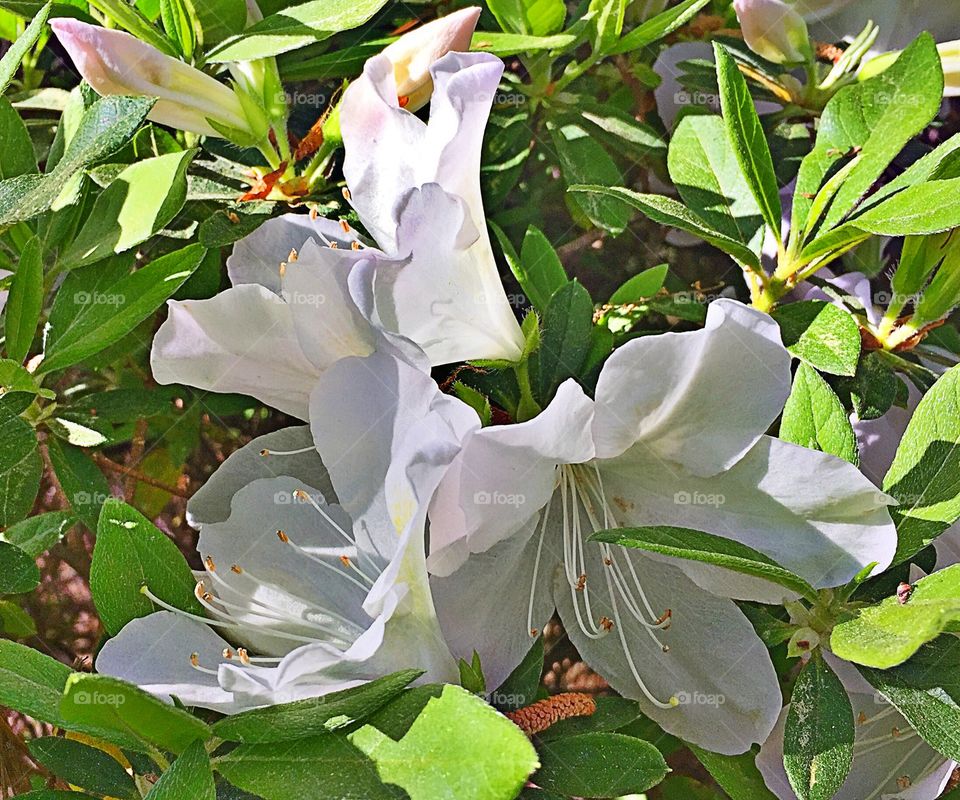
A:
[115,63]
[675,436]
[298,599]
[890,760]
[774,30]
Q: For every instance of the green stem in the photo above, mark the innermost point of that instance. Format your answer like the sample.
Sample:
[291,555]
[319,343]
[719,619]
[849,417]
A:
[527,408]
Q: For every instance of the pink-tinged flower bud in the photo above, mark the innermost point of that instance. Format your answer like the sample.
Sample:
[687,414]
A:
[116,63]
[774,30]
[414,52]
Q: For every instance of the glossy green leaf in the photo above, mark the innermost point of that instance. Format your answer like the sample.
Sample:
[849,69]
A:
[100,320]
[814,417]
[641,286]
[82,481]
[706,548]
[888,633]
[130,553]
[38,533]
[521,686]
[583,160]
[925,474]
[705,169]
[10,62]
[661,25]
[821,334]
[20,468]
[818,734]
[747,138]
[84,766]
[98,701]
[670,212]
[140,201]
[458,748]
[18,571]
[15,623]
[190,776]
[22,312]
[529,17]
[738,775]
[599,765]
[567,323]
[17,156]
[295,27]
[306,718]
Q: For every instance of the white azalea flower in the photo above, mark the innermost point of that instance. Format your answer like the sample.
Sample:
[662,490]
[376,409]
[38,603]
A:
[890,760]
[299,601]
[114,62]
[675,436]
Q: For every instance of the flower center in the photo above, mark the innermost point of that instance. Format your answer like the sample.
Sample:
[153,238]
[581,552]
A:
[585,511]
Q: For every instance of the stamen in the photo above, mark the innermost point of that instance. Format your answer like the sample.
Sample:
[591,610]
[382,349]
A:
[354,245]
[365,586]
[536,568]
[314,214]
[265,452]
[346,193]
[211,566]
[294,256]
[345,226]
[195,663]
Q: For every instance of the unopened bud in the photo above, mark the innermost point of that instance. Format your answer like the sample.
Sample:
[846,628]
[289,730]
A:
[774,30]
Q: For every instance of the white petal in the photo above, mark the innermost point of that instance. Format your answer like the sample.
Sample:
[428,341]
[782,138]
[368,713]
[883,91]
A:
[825,527]
[361,412]
[447,295]
[328,323]
[485,605]
[279,588]
[243,340]
[505,476]
[700,399]
[389,151]
[211,502]
[154,652]
[900,21]
[716,666]
[257,257]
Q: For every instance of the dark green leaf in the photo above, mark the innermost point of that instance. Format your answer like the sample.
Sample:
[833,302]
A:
[84,766]
[738,776]
[82,481]
[708,549]
[18,571]
[20,468]
[10,62]
[22,312]
[190,777]
[520,687]
[821,334]
[130,553]
[819,732]
[567,324]
[660,25]
[814,417]
[582,160]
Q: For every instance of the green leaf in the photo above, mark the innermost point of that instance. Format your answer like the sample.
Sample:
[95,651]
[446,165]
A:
[140,201]
[294,28]
[819,732]
[532,17]
[583,159]
[641,286]
[10,62]
[511,44]
[395,718]
[521,686]
[738,776]
[542,268]
[660,25]
[220,19]
[20,468]
[471,675]
[320,766]
[15,623]
[567,323]
[17,157]
[708,549]
[189,776]
[814,417]
[98,701]
[869,118]
[458,748]
[705,169]
[821,334]
[84,766]
[599,765]
[99,321]
[306,718]
[872,390]
[888,633]
[83,483]
[670,212]
[14,379]
[104,127]
[636,139]
[22,312]
[131,552]
[606,23]
[747,138]
[926,691]
[18,571]
[925,474]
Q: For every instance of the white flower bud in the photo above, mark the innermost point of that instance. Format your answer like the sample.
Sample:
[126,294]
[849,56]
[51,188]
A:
[774,30]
